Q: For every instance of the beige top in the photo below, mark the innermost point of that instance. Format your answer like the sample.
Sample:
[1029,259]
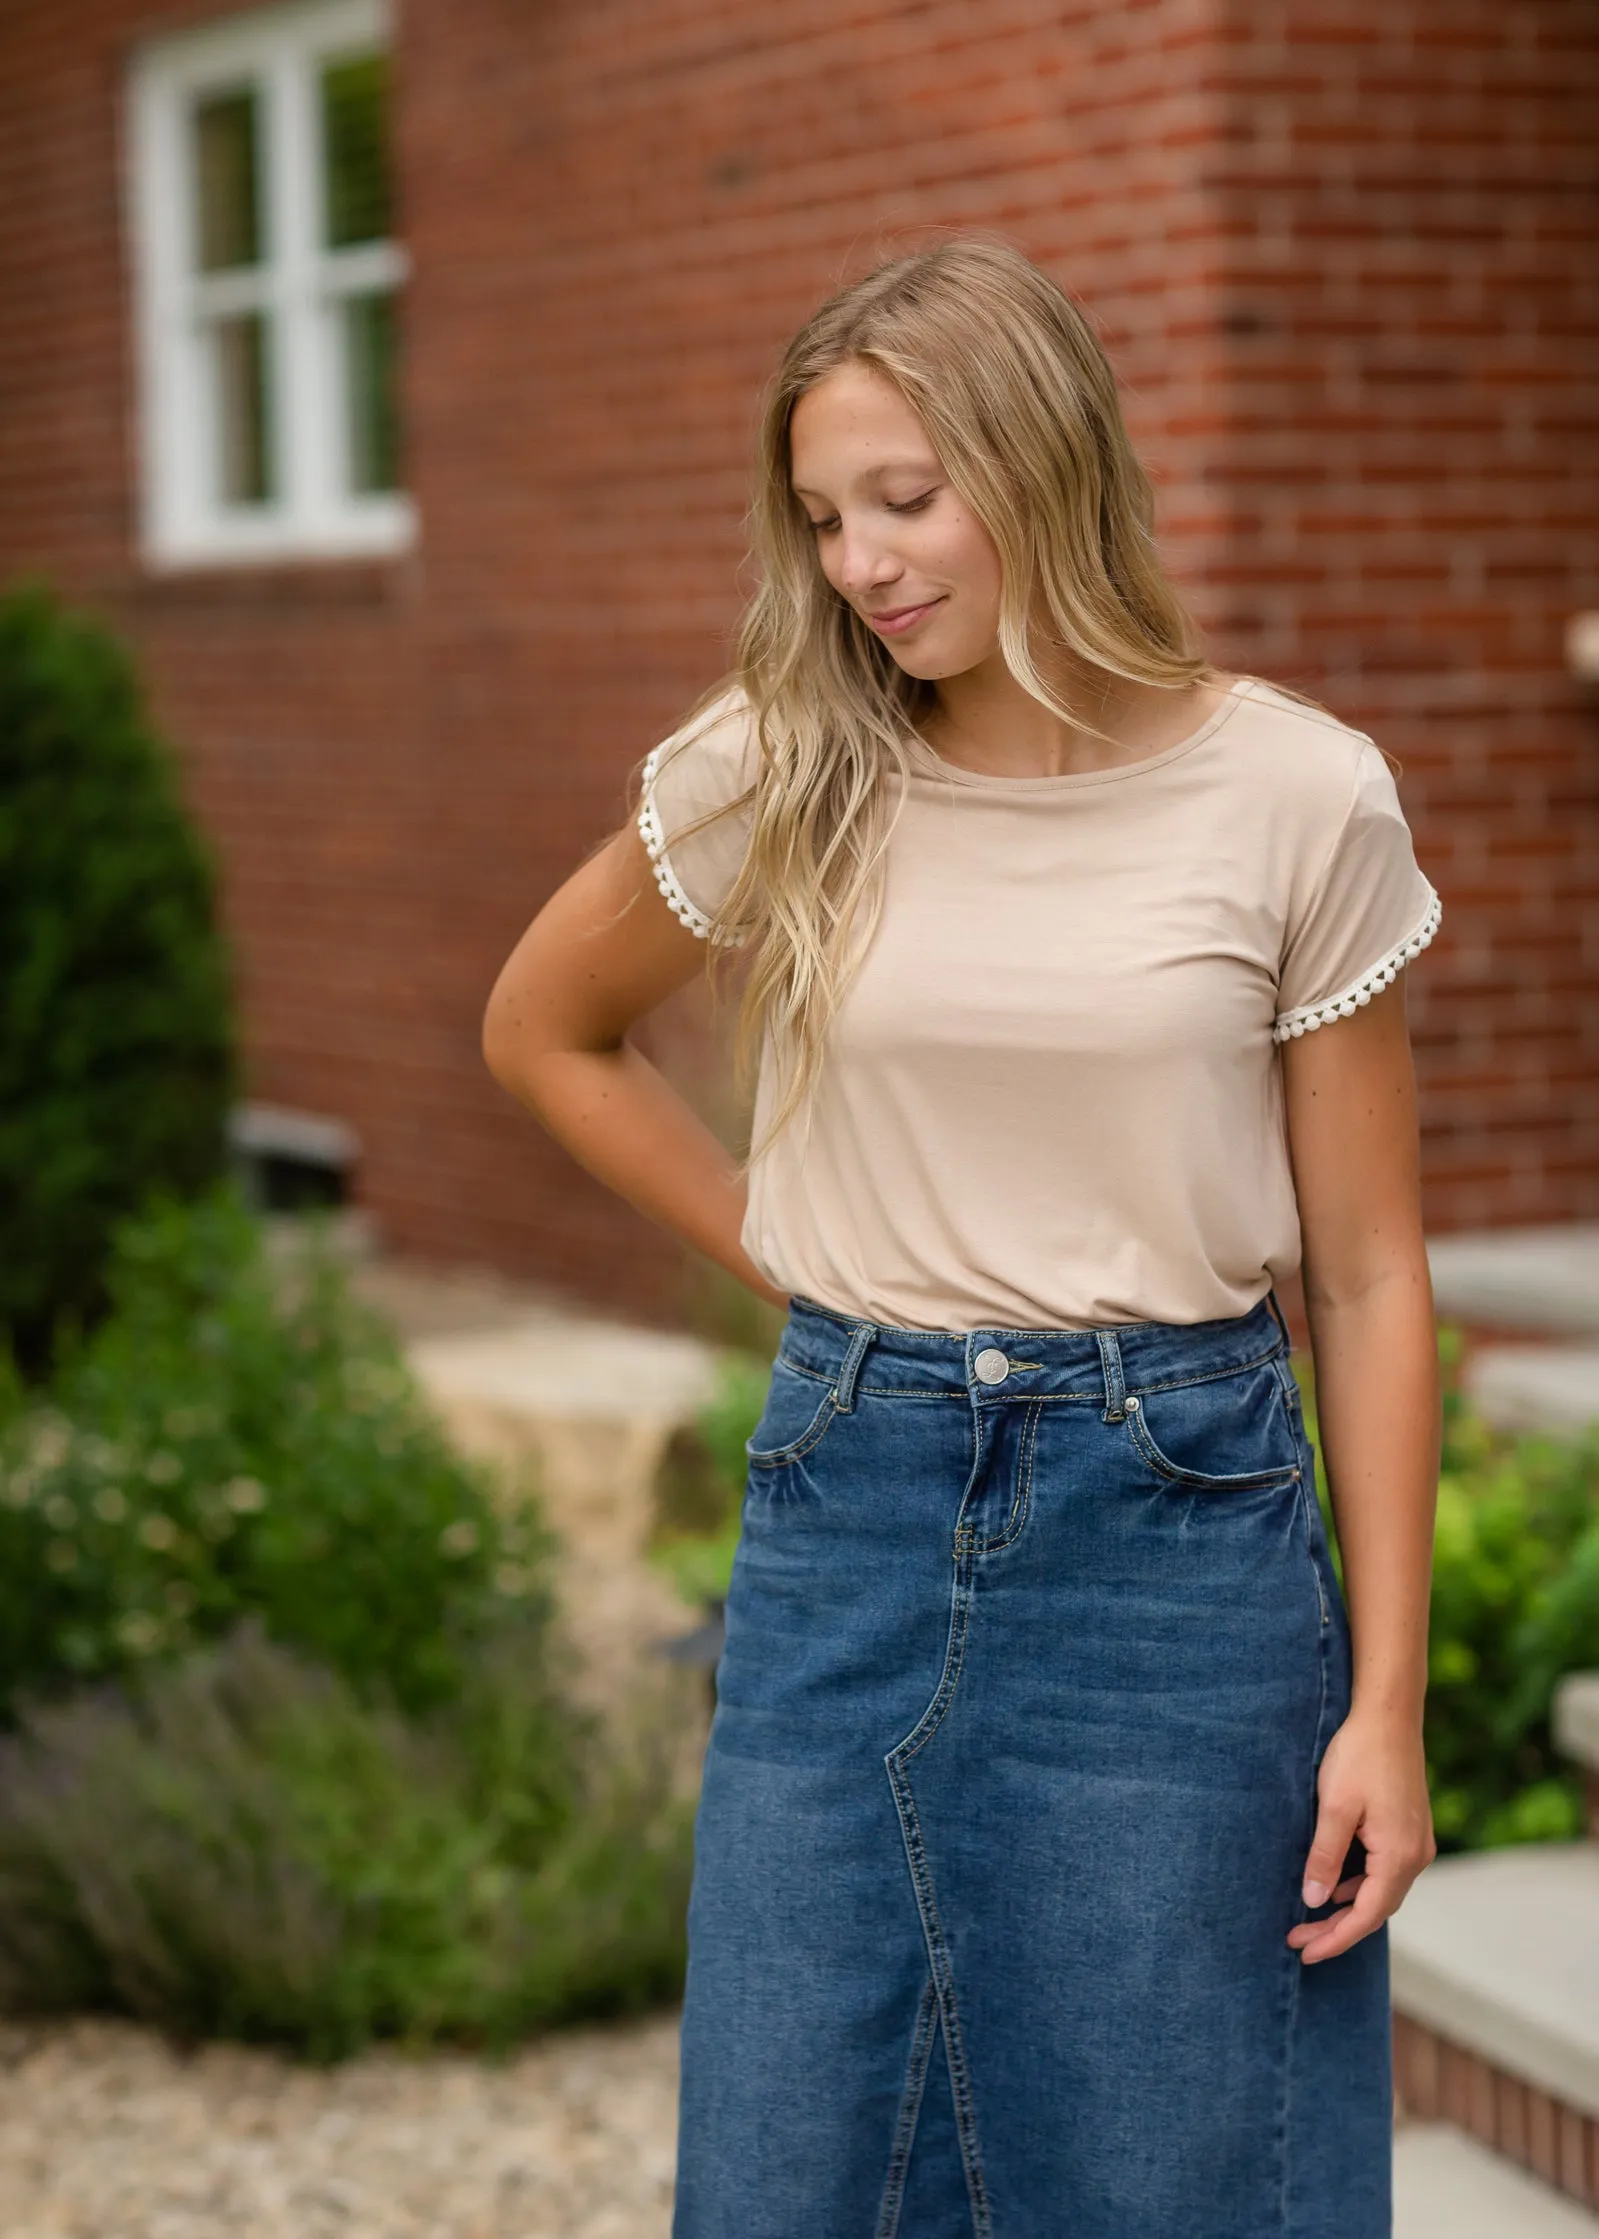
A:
[1053,1094]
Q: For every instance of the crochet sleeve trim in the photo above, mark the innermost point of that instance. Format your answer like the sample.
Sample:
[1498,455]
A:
[654,838]
[1289,1025]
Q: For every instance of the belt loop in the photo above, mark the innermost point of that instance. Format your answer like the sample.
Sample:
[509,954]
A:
[1277,1317]
[844,1392]
[1110,1359]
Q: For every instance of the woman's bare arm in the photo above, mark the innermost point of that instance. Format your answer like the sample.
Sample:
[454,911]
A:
[603,952]
[1351,1108]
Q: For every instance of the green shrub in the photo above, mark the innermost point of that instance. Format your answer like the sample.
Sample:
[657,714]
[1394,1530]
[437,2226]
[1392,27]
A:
[116,1058]
[1515,1606]
[229,1443]
[242,1846]
[700,1562]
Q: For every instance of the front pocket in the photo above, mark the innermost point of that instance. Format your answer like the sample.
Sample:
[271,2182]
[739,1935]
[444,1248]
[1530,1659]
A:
[800,1405]
[1185,1433]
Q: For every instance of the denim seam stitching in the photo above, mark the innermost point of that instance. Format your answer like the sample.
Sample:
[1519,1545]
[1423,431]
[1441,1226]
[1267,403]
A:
[1210,1375]
[1243,1481]
[959,1391]
[814,1375]
[910,1391]
[1022,1505]
[894,1763]
[773,1457]
[1293,1970]
[909,2112]
[1297,1969]
[938,1959]
[954,1659]
[1305,1498]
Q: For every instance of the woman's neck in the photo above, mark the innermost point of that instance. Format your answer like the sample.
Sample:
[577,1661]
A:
[984,720]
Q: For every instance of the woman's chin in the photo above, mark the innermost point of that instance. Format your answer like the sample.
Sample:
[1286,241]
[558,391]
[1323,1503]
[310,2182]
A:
[928,663]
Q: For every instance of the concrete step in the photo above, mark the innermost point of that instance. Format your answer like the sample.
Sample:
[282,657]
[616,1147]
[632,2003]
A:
[587,1405]
[1535,1387]
[1576,1719]
[1498,1952]
[1542,1279]
[1446,2186]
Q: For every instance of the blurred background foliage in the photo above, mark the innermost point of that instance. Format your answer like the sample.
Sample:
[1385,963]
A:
[237,1438]
[289,1749]
[1515,1606]
[117,1048]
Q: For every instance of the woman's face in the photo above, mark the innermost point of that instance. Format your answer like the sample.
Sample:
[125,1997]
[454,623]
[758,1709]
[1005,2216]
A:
[891,535]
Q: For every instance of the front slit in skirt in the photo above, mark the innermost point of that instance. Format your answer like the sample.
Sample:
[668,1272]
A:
[1033,1648]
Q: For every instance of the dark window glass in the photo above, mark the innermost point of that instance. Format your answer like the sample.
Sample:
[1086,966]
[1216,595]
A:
[241,366]
[355,144]
[227,176]
[369,369]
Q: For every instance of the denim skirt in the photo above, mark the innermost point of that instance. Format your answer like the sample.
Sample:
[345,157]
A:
[1033,1649]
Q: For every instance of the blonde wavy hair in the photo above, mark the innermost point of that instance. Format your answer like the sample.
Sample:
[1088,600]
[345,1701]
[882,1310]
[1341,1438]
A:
[1020,402]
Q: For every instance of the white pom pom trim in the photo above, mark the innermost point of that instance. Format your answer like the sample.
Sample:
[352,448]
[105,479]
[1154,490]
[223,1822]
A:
[654,838]
[1291,1024]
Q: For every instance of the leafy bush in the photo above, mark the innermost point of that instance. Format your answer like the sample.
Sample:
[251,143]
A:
[230,1442]
[116,1058]
[242,1846]
[699,1562]
[1515,1606]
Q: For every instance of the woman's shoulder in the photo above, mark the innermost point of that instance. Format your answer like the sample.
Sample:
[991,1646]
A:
[1298,754]
[713,751]
[692,814]
[1280,713]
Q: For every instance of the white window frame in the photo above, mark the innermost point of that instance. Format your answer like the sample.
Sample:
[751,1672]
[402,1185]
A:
[314,514]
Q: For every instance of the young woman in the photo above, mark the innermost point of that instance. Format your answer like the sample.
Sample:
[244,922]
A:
[1055,1799]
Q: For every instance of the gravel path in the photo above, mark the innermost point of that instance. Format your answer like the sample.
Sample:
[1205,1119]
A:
[106,2132]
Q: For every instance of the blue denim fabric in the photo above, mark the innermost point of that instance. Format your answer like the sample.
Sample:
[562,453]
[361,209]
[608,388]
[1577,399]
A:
[1007,1801]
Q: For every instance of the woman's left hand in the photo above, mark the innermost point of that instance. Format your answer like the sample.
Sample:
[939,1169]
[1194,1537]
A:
[1373,1784]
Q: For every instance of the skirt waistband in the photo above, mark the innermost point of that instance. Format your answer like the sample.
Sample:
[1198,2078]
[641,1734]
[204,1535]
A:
[1103,1365]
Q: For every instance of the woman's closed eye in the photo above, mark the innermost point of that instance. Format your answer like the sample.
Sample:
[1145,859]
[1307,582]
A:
[829,523]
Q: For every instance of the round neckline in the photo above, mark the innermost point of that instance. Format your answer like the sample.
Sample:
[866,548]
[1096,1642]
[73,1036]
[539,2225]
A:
[934,765]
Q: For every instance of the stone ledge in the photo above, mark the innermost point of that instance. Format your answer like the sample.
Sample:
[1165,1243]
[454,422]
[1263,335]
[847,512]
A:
[587,1407]
[1576,1719]
[1447,2186]
[1497,1953]
[1543,1278]
[1535,1387]
[565,1366]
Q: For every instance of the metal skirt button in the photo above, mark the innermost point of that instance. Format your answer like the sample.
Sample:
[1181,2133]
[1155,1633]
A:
[991,1365]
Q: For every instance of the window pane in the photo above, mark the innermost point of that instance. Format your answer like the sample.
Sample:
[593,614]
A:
[355,145]
[369,369]
[227,186]
[241,374]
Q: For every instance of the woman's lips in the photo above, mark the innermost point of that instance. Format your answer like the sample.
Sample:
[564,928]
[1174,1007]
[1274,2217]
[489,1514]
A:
[899,619]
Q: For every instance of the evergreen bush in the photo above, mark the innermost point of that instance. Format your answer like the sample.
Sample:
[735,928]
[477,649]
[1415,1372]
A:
[116,1051]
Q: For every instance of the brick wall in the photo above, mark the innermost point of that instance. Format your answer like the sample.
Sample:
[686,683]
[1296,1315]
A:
[1343,258]
[1408,319]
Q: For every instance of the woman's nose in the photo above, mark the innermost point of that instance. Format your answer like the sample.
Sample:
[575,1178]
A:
[865,564]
